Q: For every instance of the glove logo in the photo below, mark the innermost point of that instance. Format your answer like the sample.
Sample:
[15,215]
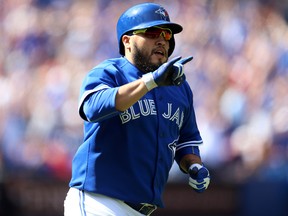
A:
[163,13]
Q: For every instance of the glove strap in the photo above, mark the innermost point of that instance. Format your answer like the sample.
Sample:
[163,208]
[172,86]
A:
[149,81]
[198,166]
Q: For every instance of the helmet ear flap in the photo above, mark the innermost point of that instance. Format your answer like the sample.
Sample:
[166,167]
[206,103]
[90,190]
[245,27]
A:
[121,47]
[171,46]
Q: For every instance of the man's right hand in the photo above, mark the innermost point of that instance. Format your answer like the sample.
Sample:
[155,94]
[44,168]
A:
[170,73]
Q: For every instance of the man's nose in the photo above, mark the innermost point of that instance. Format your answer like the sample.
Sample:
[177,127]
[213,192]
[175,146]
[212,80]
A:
[161,40]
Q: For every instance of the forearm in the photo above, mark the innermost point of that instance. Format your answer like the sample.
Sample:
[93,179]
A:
[188,160]
[129,94]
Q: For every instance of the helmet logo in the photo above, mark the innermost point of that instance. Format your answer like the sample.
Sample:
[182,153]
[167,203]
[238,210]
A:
[163,13]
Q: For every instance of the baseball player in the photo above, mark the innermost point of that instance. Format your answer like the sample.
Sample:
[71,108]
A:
[138,118]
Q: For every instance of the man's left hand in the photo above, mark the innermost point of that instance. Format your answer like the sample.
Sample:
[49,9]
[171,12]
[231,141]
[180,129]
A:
[199,177]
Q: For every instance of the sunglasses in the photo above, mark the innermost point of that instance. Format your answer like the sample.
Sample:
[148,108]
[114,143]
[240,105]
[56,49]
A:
[155,32]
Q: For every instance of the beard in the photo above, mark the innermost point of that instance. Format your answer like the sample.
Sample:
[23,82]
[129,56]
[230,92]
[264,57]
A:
[142,62]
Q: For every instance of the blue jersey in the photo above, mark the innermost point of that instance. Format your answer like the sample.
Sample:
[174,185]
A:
[127,155]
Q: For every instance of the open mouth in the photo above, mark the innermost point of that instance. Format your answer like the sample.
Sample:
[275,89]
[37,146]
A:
[160,52]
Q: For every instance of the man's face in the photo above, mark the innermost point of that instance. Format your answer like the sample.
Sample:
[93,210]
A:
[149,53]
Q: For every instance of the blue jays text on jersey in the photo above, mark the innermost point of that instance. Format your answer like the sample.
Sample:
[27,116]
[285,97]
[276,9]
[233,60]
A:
[127,155]
[148,107]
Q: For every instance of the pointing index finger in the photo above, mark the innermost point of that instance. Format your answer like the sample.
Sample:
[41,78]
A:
[185,60]
[172,61]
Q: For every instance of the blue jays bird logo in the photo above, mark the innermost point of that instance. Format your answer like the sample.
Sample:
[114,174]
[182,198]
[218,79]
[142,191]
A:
[163,13]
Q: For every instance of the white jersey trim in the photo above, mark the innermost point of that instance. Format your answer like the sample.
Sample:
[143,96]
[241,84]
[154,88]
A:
[188,144]
[86,93]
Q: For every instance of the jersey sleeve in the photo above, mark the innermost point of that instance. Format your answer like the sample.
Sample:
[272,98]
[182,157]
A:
[190,138]
[97,95]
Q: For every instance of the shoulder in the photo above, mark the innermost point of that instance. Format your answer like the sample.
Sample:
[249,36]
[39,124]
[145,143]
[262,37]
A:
[117,67]
[185,87]
[114,63]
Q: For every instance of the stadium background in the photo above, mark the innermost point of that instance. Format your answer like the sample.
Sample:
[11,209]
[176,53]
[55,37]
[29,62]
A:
[239,76]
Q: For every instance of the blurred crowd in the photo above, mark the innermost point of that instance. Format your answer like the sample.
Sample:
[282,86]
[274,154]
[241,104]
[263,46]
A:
[239,76]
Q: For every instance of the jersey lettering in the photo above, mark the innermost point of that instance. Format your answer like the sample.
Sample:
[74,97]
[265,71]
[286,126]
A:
[176,116]
[169,111]
[146,107]
[133,114]
[149,106]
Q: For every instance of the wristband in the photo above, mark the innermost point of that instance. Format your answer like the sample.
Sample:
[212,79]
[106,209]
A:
[149,81]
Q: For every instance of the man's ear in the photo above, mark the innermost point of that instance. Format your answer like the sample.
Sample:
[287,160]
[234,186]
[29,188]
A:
[126,42]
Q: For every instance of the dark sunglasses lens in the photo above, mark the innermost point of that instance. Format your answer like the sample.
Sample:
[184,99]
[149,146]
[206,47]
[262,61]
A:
[156,32]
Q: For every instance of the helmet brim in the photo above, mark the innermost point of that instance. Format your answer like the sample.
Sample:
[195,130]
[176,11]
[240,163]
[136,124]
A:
[175,28]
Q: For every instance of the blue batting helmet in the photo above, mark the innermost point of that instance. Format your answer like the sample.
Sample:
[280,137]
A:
[142,16]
